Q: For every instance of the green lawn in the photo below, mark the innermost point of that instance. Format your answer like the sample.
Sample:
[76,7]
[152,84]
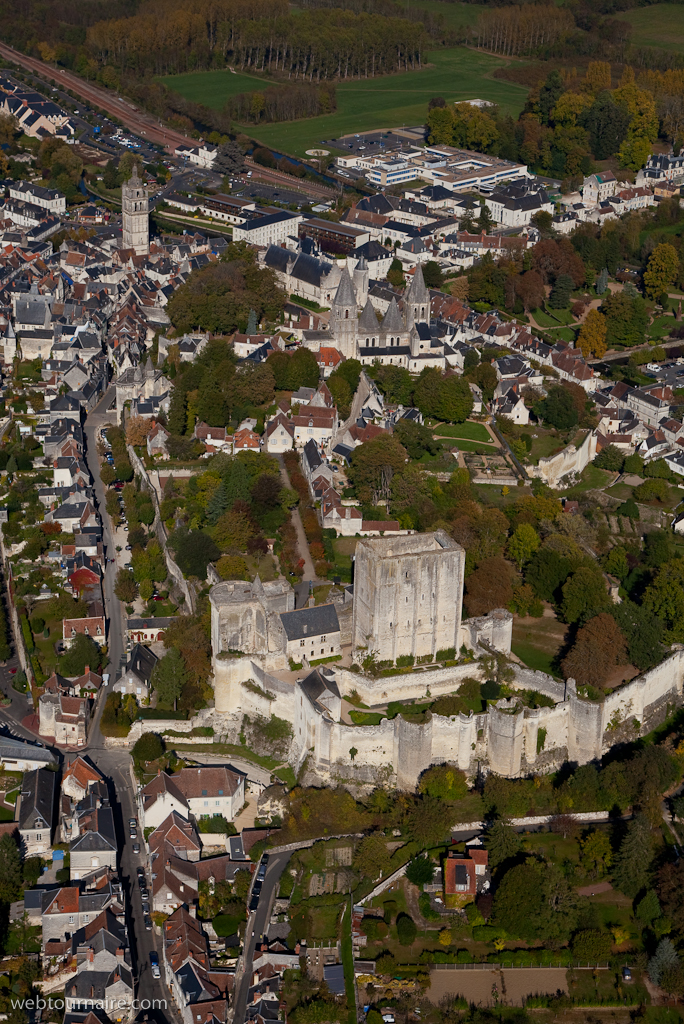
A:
[213,88]
[387,102]
[661,327]
[533,657]
[471,431]
[592,477]
[621,491]
[658,25]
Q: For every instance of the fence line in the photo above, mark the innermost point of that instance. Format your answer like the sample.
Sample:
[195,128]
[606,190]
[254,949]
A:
[579,966]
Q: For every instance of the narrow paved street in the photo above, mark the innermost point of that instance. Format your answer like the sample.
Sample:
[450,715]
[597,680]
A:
[115,763]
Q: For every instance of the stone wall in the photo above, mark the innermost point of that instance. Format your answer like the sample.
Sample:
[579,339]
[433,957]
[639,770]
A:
[160,530]
[553,468]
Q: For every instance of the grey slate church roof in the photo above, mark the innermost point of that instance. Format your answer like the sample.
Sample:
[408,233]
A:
[345,295]
[309,622]
[368,321]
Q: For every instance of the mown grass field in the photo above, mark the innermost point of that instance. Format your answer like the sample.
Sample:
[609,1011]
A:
[386,102]
[659,25]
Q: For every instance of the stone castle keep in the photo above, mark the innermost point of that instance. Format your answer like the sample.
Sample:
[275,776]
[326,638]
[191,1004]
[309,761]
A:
[407,600]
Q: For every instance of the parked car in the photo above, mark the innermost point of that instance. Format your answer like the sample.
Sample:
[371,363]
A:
[136,847]
[154,963]
[148,924]
[626,974]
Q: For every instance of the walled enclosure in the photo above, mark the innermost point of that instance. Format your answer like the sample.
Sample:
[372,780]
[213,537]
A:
[505,739]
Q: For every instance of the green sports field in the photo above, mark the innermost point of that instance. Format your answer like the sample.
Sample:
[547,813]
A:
[659,25]
[387,102]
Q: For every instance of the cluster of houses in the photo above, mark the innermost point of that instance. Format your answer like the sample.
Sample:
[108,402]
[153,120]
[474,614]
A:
[38,117]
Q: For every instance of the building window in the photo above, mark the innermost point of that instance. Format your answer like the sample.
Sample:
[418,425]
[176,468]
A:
[204,792]
[39,837]
[302,643]
[322,639]
[206,803]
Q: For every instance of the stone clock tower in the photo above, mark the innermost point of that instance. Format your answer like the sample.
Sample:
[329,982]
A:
[136,214]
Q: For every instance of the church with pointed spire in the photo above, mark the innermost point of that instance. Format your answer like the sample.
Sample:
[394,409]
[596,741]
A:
[400,338]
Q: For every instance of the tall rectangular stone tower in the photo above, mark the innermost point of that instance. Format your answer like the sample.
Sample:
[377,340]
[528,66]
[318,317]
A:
[408,593]
[135,206]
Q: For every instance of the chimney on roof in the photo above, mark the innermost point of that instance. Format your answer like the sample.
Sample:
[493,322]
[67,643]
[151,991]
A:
[120,954]
[192,910]
[91,959]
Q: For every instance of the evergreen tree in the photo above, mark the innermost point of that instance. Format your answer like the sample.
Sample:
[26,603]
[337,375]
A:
[602,282]
[633,862]
[211,406]
[562,289]
[502,842]
[236,482]
[10,869]
[251,322]
[217,504]
[178,412]
[169,677]
[665,956]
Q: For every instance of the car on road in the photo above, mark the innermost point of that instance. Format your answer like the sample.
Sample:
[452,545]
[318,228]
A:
[132,823]
[140,872]
[144,894]
[254,902]
[154,964]
[133,833]
[136,847]
[148,923]
[146,907]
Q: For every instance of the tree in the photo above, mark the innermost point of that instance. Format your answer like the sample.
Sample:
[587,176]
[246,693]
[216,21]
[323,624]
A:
[561,291]
[445,937]
[230,160]
[633,862]
[529,288]
[610,458]
[395,274]
[648,908]
[597,854]
[672,980]
[592,335]
[432,274]
[598,647]
[146,589]
[656,549]
[149,747]
[564,825]
[558,408]
[372,859]
[426,822]
[234,530]
[615,563]
[406,930]
[643,631]
[82,652]
[503,843]
[374,464]
[664,597]
[137,429]
[634,464]
[665,958]
[523,544]
[584,595]
[592,945]
[444,782]
[416,439]
[169,677]
[628,508]
[662,270]
[489,587]
[107,474]
[626,319]
[607,123]
[193,550]
[420,871]
[10,869]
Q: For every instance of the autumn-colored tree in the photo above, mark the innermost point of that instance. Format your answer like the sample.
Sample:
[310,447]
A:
[662,269]
[597,77]
[523,544]
[599,646]
[529,288]
[489,587]
[137,429]
[592,335]
[459,288]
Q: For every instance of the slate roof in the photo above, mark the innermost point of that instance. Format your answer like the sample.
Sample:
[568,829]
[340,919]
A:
[307,622]
[37,799]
